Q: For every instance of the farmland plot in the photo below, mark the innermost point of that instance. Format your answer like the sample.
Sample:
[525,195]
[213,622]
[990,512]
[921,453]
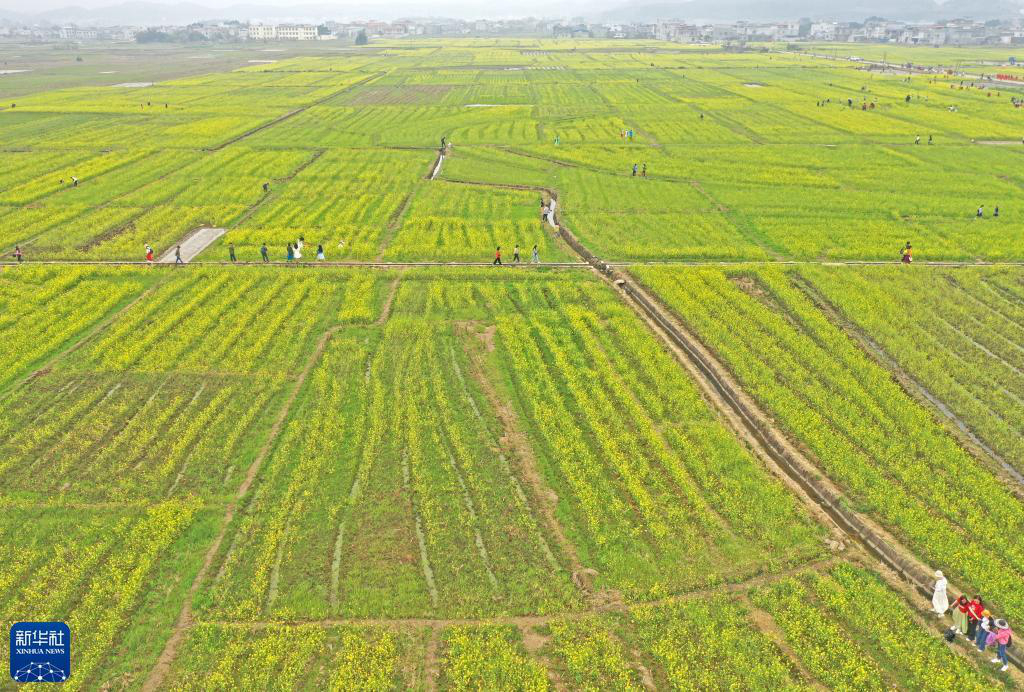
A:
[957,333]
[888,454]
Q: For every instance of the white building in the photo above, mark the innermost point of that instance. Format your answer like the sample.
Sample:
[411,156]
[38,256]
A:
[282,32]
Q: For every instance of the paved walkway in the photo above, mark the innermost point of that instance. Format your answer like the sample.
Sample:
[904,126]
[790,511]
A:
[193,245]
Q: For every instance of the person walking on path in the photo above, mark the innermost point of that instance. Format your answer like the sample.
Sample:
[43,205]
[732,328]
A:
[974,614]
[940,600]
[981,211]
[17,253]
[960,615]
[515,254]
[995,213]
[291,255]
[264,253]
[74,181]
[177,255]
[917,139]
[298,251]
[320,252]
[231,252]
[907,254]
[634,170]
[929,139]
[985,626]
[1001,637]
[497,256]
[149,254]
[643,174]
[266,187]
[535,258]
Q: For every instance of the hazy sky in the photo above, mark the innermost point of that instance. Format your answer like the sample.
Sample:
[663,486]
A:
[342,7]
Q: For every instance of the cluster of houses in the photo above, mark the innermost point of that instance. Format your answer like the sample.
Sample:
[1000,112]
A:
[873,30]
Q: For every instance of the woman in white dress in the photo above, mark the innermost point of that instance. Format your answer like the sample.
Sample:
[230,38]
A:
[940,601]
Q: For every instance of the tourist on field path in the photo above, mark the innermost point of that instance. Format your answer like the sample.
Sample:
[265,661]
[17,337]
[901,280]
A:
[497,256]
[17,253]
[643,174]
[535,258]
[298,251]
[264,253]
[1002,637]
[177,255]
[917,140]
[300,244]
[929,139]
[974,614]
[985,626]
[960,614]
[940,601]
[231,252]
[74,181]
[149,254]
[515,254]
[291,255]
[981,211]
[320,252]
[266,187]
[995,213]
[907,254]
[634,170]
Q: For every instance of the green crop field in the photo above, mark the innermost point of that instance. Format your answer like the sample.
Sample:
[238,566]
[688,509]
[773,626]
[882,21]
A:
[716,437]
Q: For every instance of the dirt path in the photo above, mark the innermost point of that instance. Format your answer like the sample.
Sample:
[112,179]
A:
[513,439]
[393,224]
[767,626]
[185,619]
[625,264]
[385,311]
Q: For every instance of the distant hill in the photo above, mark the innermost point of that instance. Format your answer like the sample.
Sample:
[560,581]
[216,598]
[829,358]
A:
[854,10]
[147,13]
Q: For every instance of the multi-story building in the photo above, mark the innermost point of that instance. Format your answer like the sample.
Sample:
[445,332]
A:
[283,32]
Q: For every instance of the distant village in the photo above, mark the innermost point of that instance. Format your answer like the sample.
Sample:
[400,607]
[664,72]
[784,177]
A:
[874,30]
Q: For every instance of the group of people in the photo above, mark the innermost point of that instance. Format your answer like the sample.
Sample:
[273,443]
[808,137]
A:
[626,134]
[293,251]
[972,620]
[981,212]
[643,171]
[534,257]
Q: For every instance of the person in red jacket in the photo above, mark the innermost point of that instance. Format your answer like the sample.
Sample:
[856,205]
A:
[975,612]
[497,256]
